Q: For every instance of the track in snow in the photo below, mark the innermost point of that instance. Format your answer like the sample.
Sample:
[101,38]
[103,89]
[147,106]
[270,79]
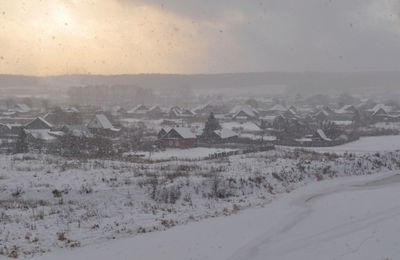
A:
[347,218]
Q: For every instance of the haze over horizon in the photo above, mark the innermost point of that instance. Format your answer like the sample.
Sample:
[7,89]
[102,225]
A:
[114,37]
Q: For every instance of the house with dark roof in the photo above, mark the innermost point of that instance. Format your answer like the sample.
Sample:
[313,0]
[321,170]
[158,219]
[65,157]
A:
[163,132]
[39,123]
[155,112]
[138,111]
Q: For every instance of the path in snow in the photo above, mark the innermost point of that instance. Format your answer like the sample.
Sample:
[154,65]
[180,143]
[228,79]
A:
[346,218]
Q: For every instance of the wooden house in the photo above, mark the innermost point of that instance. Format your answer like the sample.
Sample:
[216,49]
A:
[244,113]
[155,112]
[39,123]
[102,126]
[224,136]
[179,137]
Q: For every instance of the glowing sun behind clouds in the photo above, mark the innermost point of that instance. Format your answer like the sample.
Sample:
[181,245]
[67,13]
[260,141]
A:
[50,37]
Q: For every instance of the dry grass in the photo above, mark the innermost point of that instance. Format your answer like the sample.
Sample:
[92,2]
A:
[320,177]
[13,254]
[141,230]
[236,208]
[61,236]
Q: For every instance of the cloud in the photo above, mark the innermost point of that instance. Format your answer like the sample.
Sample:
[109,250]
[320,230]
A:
[199,36]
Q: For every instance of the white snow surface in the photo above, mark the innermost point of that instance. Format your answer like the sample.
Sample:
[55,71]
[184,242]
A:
[365,145]
[337,219]
[97,201]
[191,153]
[185,132]
[246,126]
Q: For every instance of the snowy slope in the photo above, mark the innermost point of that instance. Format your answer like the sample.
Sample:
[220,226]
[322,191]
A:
[337,219]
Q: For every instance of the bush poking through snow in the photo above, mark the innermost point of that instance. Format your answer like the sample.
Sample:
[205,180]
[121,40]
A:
[13,254]
[141,230]
[85,189]
[57,193]
[61,236]
[18,191]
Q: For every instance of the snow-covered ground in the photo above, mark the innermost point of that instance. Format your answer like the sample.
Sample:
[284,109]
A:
[245,126]
[48,202]
[191,153]
[388,125]
[365,145]
[354,218]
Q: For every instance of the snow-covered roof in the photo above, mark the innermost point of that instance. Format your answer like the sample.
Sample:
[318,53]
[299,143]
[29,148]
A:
[246,109]
[380,112]
[70,110]
[278,107]
[269,118]
[41,134]
[323,136]
[346,109]
[101,122]
[6,125]
[185,132]
[302,140]
[225,133]
[342,122]
[155,107]
[383,107]
[138,109]
[181,112]
[42,120]
[165,130]
[289,113]
[322,112]
[23,108]
[293,109]
[9,113]
[201,107]
[187,112]
[78,130]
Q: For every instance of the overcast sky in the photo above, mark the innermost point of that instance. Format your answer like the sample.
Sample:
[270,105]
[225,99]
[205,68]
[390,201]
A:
[47,37]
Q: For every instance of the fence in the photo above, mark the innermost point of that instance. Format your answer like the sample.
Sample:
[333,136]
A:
[238,152]
[318,143]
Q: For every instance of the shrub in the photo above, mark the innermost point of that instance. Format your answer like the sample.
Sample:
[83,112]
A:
[17,192]
[61,236]
[57,193]
[169,194]
[141,230]
[13,254]
[85,189]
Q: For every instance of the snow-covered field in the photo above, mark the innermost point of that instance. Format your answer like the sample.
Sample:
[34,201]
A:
[365,145]
[354,218]
[191,153]
[48,203]
[388,125]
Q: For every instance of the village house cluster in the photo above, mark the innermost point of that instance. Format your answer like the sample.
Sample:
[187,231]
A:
[116,130]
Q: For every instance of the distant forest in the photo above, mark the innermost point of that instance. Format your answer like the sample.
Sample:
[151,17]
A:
[309,82]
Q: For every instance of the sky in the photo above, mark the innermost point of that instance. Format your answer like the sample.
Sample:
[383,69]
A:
[53,37]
